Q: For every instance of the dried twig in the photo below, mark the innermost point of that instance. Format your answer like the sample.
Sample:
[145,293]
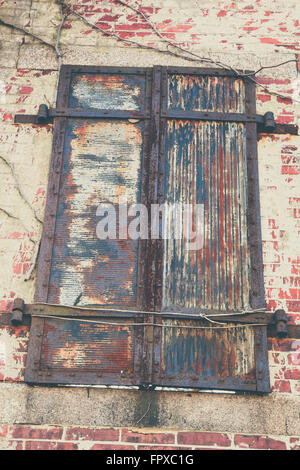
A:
[34,260]
[8,214]
[19,189]
[205,59]
[192,57]
[172,44]
[181,51]
[28,33]
[61,24]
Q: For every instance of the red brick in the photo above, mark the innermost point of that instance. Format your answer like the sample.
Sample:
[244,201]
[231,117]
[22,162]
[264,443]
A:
[204,438]
[293,306]
[283,345]
[155,438]
[132,27]
[293,374]
[31,432]
[264,98]
[282,386]
[14,445]
[269,40]
[112,447]
[3,431]
[290,170]
[26,90]
[77,434]
[49,445]
[294,359]
[295,443]
[258,442]
[163,448]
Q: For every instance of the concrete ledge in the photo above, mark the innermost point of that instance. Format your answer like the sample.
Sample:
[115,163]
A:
[270,414]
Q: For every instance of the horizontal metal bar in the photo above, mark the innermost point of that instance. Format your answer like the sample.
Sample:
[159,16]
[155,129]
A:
[26,119]
[293,330]
[106,70]
[97,113]
[209,116]
[260,120]
[278,129]
[208,71]
[217,383]
[100,312]
[79,113]
[64,311]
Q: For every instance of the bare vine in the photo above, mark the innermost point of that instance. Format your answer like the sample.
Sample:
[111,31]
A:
[178,51]
[181,52]
[11,216]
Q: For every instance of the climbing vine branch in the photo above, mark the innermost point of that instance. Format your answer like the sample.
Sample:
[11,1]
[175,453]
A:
[66,9]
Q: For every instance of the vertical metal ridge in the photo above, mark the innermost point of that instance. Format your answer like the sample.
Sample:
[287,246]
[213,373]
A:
[206,93]
[207,158]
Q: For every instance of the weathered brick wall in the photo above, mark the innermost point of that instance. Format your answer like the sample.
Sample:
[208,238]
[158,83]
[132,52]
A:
[247,33]
[64,438]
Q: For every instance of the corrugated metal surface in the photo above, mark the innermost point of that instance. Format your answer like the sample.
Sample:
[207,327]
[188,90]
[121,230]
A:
[205,93]
[209,352]
[107,91]
[102,161]
[206,163]
[108,349]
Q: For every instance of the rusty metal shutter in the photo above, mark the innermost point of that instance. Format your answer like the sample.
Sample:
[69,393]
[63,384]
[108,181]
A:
[208,155]
[154,136]
[99,154]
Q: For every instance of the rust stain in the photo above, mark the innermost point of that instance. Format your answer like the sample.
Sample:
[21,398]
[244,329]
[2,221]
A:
[206,164]
[210,352]
[123,92]
[102,161]
[71,346]
[204,93]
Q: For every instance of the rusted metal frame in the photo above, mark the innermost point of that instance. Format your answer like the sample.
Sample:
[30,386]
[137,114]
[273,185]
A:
[104,70]
[93,312]
[81,377]
[234,117]
[257,296]
[46,249]
[33,374]
[217,383]
[99,113]
[261,359]
[293,331]
[149,265]
[216,72]
[79,113]
[160,184]
[207,116]
[140,333]
[71,312]
[72,112]
[144,195]
[279,129]
[44,265]
[159,244]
